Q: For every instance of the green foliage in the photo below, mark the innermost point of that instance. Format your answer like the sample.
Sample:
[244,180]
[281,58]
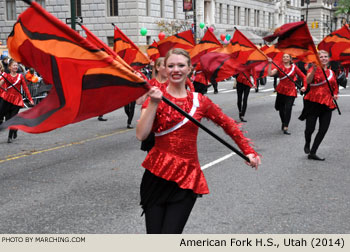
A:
[343,8]
[173,27]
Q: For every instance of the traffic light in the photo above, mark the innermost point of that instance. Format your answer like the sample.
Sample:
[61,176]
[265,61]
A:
[314,25]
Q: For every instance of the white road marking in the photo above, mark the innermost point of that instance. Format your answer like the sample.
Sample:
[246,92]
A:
[217,161]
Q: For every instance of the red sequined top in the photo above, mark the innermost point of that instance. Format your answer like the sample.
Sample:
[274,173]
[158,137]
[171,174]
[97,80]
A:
[319,89]
[286,86]
[243,78]
[12,95]
[174,156]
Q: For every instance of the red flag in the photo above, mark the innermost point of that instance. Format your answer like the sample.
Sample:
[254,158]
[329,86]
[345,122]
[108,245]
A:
[295,39]
[273,53]
[152,51]
[128,51]
[182,40]
[337,44]
[241,54]
[87,82]
[207,44]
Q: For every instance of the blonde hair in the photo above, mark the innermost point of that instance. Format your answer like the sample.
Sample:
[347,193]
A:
[178,51]
[323,51]
[157,63]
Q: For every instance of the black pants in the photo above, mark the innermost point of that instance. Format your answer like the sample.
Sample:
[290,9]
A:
[169,218]
[215,86]
[284,105]
[324,122]
[129,111]
[8,110]
[242,97]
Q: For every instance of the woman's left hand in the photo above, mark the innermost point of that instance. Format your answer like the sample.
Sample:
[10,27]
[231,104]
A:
[254,161]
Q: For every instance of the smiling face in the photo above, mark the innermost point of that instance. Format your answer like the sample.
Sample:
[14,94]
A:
[177,68]
[13,66]
[286,58]
[324,58]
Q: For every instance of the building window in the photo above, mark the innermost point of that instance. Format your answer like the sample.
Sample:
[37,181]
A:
[11,10]
[237,15]
[148,8]
[221,14]
[247,16]
[228,14]
[110,41]
[174,9]
[41,2]
[161,8]
[256,18]
[112,7]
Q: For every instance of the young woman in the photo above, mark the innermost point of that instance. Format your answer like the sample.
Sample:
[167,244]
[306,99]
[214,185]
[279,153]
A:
[286,90]
[173,178]
[243,86]
[12,99]
[318,104]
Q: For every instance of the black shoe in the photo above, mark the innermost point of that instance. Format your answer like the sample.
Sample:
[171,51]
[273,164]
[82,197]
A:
[286,132]
[215,92]
[242,119]
[9,140]
[315,157]
[100,118]
[129,126]
[15,134]
[256,90]
[307,148]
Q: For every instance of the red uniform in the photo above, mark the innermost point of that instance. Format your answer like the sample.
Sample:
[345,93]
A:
[286,86]
[174,156]
[12,95]
[319,90]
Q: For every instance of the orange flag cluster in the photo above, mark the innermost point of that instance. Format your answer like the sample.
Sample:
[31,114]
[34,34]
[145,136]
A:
[90,79]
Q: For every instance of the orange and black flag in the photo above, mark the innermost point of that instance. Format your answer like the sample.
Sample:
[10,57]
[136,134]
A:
[239,55]
[207,44]
[152,51]
[337,44]
[273,53]
[128,51]
[184,40]
[86,81]
[295,39]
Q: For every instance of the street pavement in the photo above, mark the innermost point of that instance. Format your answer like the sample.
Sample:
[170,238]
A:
[84,178]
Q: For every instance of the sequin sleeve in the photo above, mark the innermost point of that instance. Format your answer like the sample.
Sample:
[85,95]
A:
[230,126]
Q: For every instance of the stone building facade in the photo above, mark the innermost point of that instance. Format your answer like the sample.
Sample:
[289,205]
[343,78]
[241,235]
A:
[257,17]
[321,18]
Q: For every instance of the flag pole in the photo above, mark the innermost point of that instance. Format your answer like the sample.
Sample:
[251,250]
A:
[197,123]
[331,90]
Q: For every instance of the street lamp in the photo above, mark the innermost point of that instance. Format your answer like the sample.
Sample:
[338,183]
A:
[307,8]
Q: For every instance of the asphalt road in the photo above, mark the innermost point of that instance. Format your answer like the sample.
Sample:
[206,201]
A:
[84,178]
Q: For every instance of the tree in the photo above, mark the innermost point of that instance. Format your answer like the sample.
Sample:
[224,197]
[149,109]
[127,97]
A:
[343,8]
[173,27]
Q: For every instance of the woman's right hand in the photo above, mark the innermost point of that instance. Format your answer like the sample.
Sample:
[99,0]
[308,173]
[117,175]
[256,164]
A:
[155,94]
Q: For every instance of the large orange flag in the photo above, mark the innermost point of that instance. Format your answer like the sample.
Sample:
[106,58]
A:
[295,39]
[153,52]
[184,40]
[207,44]
[337,44]
[87,82]
[239,55]
[128,51]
